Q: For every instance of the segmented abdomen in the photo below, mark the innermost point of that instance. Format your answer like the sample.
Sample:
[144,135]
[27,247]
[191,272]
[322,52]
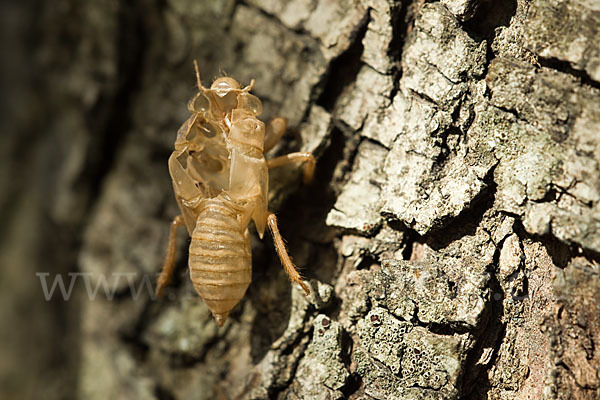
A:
[220,258]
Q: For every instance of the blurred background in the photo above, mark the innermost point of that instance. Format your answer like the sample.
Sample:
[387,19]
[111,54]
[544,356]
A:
[38,349]
[92,95]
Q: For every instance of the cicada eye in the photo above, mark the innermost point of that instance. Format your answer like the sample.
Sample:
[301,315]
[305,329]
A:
[250,103]
[199,104]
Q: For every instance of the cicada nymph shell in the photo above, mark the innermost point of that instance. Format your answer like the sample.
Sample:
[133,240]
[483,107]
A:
[220,180]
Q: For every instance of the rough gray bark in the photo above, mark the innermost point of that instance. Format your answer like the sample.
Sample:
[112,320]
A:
[451,236]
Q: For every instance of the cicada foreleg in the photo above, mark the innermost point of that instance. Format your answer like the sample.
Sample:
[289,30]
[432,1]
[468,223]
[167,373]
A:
[273,132]
[306,158]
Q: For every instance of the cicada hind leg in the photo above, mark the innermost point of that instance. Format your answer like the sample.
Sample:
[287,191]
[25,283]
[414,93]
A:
[286,261]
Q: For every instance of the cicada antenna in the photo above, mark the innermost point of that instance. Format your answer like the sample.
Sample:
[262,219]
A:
[249,87]
[198,81]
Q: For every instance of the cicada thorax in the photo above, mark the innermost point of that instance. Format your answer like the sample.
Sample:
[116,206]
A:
[249,177]
[232,112]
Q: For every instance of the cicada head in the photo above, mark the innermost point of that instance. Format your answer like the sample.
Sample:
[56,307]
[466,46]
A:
[225,85]
[224,95]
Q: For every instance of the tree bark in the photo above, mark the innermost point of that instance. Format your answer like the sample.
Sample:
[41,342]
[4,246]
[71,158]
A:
[451,236]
